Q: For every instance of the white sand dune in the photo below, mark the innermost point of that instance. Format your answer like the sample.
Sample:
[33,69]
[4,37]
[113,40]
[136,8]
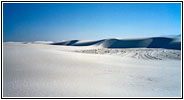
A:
[152,42]
[93,68]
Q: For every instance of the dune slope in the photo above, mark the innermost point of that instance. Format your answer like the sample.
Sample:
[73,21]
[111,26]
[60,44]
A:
[37,70]
[154,42]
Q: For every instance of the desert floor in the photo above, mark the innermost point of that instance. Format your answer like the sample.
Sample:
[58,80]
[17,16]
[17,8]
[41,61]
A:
[40,70]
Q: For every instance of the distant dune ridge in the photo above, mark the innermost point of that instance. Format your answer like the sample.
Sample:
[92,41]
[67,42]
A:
[153,42]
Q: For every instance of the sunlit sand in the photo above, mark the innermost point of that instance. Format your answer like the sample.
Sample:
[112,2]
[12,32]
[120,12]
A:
[145,67]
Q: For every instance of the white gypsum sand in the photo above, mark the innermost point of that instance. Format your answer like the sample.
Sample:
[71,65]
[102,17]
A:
[42,70]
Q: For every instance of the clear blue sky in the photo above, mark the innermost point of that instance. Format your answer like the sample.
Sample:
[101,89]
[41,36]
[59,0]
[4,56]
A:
[89,21]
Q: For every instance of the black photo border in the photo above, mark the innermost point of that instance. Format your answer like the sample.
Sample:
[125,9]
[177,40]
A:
[94,97]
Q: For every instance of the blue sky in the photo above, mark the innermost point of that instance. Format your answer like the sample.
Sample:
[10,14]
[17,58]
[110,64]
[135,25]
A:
[89,21]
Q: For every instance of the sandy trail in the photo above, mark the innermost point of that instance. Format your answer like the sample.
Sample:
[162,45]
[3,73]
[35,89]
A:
[63,71]
[138,53]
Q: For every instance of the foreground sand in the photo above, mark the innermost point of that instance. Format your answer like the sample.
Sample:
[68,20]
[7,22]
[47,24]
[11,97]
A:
[66,71]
